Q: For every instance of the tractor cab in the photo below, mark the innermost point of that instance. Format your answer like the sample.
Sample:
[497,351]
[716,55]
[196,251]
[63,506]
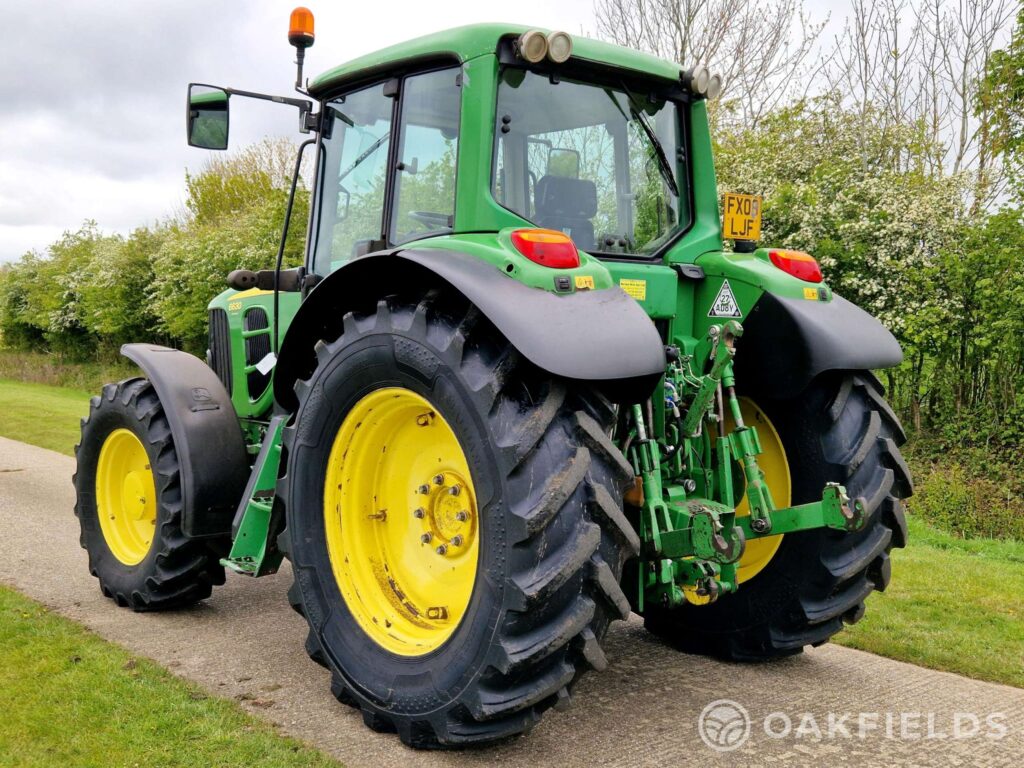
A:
[566,142]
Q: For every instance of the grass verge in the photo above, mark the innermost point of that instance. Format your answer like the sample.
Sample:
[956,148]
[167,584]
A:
[70,698]
[953,604]
[42,415]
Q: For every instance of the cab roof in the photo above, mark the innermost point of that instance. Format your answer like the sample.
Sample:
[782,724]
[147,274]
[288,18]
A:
[468,42]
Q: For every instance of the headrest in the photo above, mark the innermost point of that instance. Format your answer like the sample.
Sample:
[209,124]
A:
[564,197]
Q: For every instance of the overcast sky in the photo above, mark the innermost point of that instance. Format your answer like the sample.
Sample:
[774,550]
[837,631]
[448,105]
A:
[92,93]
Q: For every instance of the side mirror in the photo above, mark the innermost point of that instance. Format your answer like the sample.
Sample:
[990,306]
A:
[207,116]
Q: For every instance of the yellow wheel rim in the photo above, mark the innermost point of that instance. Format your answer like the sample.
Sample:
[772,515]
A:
[772,460]
[401,521]
[126,497]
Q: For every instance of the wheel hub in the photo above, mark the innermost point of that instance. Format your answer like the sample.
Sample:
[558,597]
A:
[448,514]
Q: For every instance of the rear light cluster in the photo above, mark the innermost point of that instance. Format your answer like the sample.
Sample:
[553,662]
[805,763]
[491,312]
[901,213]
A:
[797,263]
[547,247]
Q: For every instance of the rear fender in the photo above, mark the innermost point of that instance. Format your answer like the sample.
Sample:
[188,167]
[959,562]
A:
[602,337]
[787,342]
[207,436]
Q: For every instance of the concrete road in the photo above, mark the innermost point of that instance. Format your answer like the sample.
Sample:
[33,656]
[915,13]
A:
[829,706]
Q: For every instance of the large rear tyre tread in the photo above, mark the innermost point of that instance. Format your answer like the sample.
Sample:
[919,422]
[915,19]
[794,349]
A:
[841,430]
[566,540]
[178,571]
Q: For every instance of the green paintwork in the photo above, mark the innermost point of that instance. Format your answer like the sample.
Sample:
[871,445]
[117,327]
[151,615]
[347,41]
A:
[237,304]
[249,553]
[497,250]
[690,472]
[660,284]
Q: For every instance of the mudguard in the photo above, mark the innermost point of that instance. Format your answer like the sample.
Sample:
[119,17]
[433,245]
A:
[787,342]
[207,436]
[602,337]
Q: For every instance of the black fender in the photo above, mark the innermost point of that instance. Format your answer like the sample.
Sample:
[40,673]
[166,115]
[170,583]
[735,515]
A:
[602,337]
[207,436]
[787,342]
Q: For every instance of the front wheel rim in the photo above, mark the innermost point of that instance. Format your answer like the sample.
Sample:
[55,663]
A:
[401,521]
[126,497]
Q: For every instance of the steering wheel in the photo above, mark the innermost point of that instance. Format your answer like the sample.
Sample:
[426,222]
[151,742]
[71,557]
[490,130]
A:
[430,219]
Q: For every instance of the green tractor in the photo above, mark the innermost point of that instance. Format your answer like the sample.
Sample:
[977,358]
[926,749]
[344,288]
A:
[519,389]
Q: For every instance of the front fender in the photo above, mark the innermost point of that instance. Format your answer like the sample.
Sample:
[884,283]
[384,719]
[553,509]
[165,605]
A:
[602,337]
[207,436]
[787,342]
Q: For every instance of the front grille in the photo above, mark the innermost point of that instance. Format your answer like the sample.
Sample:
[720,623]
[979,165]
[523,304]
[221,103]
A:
[256,319]
[220,347]
[256,348]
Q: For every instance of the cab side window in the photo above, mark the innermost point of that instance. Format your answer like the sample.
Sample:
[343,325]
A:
[424,199]
[353,176]
[363,176]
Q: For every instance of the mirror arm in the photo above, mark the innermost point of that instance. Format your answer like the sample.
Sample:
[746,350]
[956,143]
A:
[303,104]
[306,124]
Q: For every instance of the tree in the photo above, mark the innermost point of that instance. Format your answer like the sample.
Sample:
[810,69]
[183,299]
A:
[1001,97]
[763,50]
[235,214]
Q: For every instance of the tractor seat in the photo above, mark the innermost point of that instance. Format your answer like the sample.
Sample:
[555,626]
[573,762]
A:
[567,205]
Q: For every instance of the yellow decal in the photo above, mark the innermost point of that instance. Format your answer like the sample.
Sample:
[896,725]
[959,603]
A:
[741,216]
[250,292]
[584,282]
[811,294]
[234,306]
[635,288]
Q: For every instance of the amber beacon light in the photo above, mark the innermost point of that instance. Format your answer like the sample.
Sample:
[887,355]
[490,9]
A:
[300,34]
[300,28]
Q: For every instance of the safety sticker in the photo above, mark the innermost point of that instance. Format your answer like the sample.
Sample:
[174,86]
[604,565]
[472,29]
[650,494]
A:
[635,288]
[584,282]
[811,294]
[725,303]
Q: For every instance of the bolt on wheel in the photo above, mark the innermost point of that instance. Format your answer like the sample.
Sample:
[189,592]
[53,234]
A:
[401,521]
[126,496]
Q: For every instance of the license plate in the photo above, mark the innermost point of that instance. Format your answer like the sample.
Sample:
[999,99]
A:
[741,216]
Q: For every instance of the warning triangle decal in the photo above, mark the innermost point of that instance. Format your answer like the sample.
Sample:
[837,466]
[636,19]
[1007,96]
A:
[725,303]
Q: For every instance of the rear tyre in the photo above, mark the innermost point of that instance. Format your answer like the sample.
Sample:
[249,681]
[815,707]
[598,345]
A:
[840,430]
[129,504]
[549,532]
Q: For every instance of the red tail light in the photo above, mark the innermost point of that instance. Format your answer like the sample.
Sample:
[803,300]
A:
[547,247]
[797,263]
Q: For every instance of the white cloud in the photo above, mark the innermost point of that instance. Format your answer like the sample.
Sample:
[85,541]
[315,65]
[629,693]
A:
[92,94]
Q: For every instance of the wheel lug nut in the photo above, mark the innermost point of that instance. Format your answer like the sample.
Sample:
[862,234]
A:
[456,541]
[418,513]
[424,489]
[426,537]
[438,479]
[462,516]
[442,549]
[455,490]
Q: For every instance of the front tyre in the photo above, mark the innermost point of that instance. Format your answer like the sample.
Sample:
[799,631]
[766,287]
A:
[454,524]
[799,589]
[129,505]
